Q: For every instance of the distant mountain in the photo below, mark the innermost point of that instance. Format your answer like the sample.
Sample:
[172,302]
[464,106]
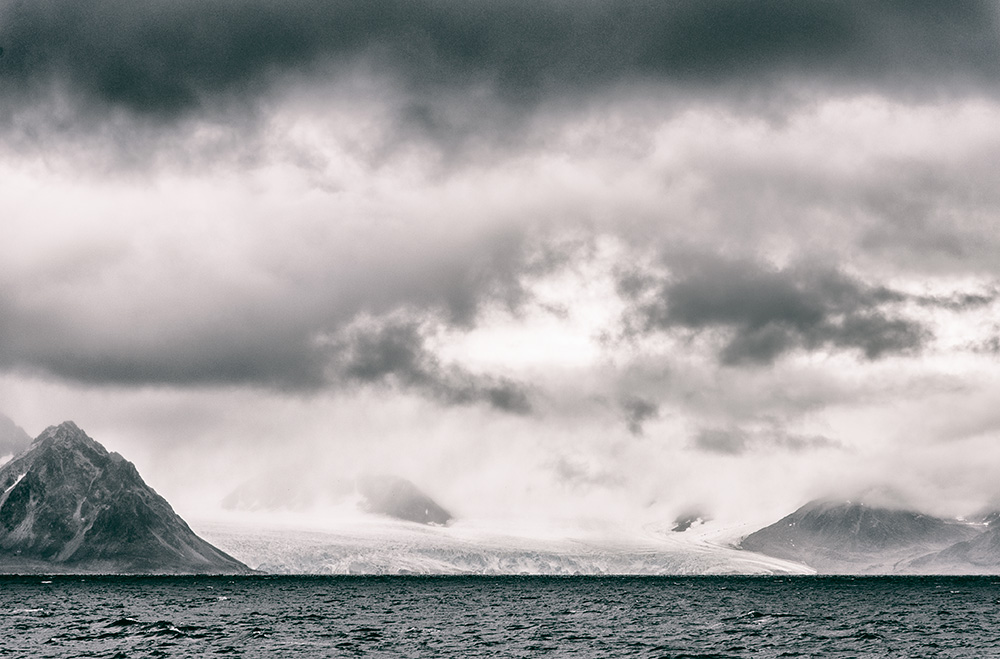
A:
[686,520]
[852,537]
[980,555]
[399,498]
[13,439]
[300,489]
[288,488]
[67,505]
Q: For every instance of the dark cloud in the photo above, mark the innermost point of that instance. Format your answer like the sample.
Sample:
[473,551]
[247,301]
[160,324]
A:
[183,330]
[990,346]
[167,57]
[933,211]
[766,313]
[370,352]
[793,442]
[576,474]
[959,301]
[727,442]
[311,338]
[637,411]
[737,441]
[394,353]
[279,358]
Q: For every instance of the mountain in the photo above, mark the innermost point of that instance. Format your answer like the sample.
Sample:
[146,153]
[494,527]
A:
[980,555]
[13,439]
[840,537]
[399,498]
[68,505]
[288,488]
[685,521]
[298,488]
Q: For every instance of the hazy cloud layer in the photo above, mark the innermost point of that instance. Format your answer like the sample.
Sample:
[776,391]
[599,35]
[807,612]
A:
[736,441]
[637,411]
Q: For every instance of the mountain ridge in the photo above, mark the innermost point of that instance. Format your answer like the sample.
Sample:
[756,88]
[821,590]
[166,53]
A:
[852,537]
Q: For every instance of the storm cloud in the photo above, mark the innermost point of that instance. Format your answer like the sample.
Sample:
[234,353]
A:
[393,352]
[107,318]
[165,59]
[767,312]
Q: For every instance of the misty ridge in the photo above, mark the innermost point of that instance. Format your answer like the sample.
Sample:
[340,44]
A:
[67,505]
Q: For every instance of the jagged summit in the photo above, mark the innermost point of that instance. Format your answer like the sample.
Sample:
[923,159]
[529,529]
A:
[67,431]
[68,436]
[68,505]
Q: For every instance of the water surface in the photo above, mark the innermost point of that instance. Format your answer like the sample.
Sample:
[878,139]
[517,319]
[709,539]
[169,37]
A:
[399,616]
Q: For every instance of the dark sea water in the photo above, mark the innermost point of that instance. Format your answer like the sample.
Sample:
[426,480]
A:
[500,617]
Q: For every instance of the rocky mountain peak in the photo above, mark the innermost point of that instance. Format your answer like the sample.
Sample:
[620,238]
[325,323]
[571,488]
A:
[66,433]
[67,504]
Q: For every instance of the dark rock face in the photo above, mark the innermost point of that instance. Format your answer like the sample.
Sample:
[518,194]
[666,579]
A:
[399,498]
[851,537]
[989,518]
[13,439]
[686,520]
[67,505]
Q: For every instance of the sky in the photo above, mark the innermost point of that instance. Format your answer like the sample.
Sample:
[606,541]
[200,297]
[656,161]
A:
[599,260]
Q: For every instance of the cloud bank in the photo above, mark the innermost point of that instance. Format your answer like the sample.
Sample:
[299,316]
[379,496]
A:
[620,259]
[769,312]
[457,66]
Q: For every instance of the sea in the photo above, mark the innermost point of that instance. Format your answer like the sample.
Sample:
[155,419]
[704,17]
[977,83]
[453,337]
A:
[514,616]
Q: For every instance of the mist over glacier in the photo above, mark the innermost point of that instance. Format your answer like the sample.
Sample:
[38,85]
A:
[287,545]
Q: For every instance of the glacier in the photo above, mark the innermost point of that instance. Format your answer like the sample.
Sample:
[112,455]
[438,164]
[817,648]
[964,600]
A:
[380,547]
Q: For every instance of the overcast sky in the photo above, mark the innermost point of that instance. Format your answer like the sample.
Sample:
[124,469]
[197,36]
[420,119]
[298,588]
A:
[551,257]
